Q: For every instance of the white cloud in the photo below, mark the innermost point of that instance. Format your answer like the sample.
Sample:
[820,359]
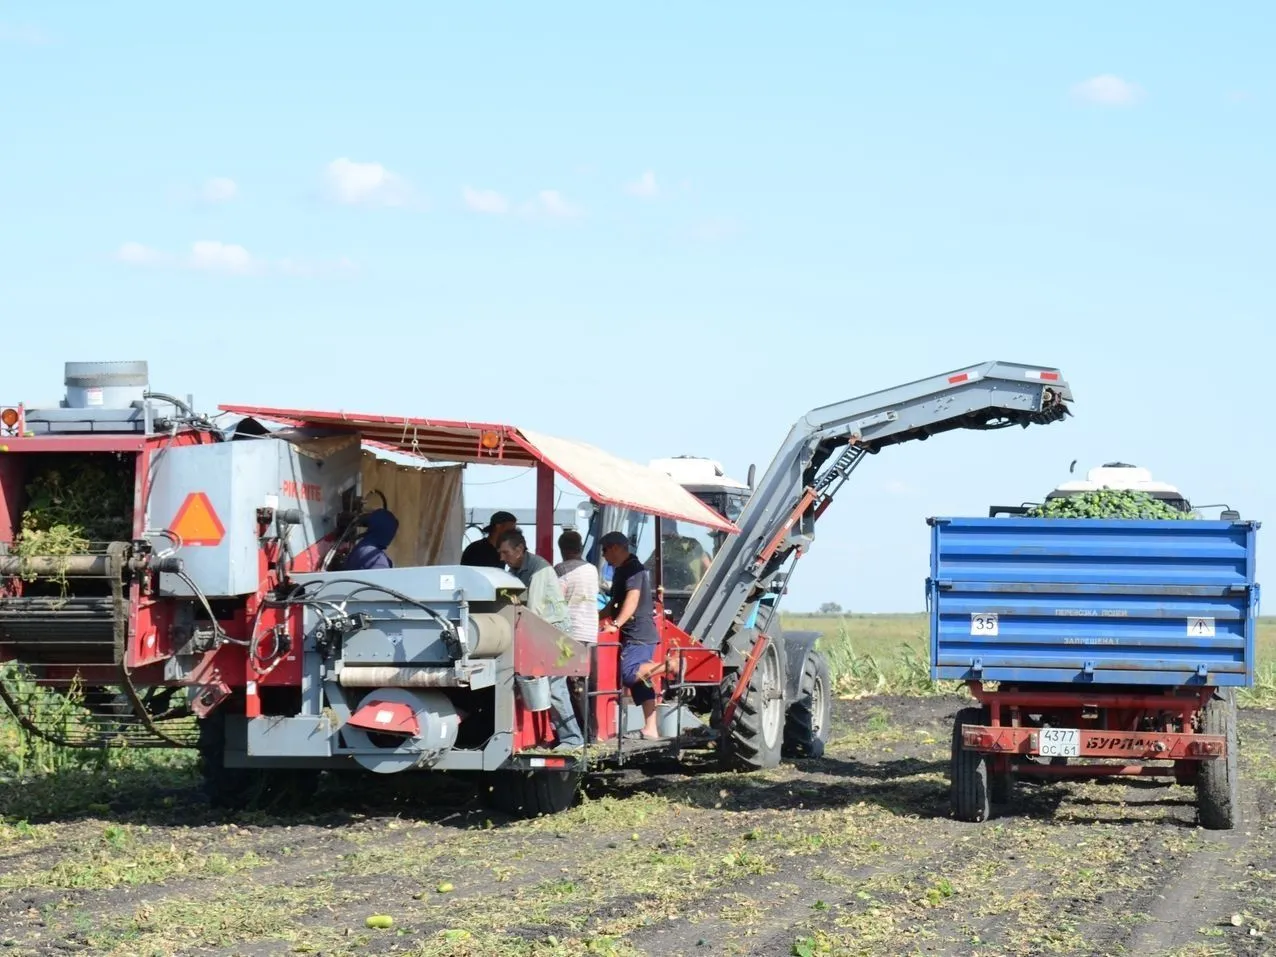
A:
[1108,90]
[220,189]
[353,183]
[214,256]
[645,186]
[485,201]
[552,203]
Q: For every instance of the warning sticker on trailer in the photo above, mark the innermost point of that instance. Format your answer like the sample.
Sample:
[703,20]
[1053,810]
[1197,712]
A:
[1200,627]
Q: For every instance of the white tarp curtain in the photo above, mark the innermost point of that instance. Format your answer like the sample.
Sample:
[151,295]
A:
[429,505]
[615,479]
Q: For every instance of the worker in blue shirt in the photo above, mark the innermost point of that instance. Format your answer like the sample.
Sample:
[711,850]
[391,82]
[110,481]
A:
[370,551]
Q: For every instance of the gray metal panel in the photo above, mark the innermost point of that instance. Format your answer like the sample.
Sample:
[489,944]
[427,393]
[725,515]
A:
[425,583]
[311,737]
[983,396]
[239,478]
[394,638]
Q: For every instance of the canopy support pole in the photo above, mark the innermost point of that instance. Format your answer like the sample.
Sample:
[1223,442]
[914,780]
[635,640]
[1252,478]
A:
[545,512]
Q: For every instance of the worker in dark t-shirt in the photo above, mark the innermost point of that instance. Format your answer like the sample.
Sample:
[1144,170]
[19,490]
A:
[484,551]
[633,615]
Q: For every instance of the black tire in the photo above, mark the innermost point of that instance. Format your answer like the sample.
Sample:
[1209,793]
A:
[755,738]
[528,794]
[1218,783]
[971,796]
[806,726]
[248,789]
[1001,784]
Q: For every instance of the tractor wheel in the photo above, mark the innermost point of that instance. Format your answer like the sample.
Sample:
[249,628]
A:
[806,726]
[755,737]
[969,772]
[248,789]
[1218,783]
[527,794]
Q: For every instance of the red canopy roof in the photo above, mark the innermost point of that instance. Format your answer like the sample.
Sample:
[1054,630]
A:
[604,477]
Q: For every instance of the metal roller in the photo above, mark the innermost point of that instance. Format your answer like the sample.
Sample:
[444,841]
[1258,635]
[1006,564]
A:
[51,566]
[388,676]
[490,635]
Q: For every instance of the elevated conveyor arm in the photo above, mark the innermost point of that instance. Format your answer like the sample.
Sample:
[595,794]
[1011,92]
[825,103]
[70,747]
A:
[822,450]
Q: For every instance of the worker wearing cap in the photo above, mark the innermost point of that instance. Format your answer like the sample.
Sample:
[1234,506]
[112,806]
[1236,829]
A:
[370,551]
[484,551]
[544,597]
[633,615]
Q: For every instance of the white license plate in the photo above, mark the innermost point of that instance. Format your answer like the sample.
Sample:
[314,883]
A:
[1059,743]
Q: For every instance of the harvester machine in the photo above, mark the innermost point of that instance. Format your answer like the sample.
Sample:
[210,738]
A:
[167,581]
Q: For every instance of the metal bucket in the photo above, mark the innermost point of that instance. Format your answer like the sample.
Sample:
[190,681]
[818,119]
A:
[533,691]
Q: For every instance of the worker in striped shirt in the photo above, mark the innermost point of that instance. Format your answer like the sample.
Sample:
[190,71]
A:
[580,587]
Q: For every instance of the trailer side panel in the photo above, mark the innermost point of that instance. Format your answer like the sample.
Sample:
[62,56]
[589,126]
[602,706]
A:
[1093,601]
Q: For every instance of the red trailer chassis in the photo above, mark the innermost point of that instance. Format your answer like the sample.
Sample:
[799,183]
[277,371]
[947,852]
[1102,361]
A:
[1049,732]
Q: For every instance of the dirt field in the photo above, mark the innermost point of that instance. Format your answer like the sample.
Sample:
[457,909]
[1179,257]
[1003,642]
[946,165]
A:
[850,854]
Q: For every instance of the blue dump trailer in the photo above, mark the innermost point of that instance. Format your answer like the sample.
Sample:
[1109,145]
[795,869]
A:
[1094,647]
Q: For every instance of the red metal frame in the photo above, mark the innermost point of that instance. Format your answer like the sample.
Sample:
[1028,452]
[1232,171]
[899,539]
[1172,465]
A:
[1142,726]
[746,673]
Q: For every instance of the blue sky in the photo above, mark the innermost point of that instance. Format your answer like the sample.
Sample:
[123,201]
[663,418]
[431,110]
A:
[685,228]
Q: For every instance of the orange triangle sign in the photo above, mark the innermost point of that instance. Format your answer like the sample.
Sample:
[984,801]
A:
[197,522]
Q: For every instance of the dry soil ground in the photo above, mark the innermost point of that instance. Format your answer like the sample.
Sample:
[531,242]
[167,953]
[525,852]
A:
[850,854]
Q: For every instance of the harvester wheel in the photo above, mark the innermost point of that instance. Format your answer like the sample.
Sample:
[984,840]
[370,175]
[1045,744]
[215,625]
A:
[806,727]
[971,797]
[239,789]
[1218,783]
[527,794]
[755,738]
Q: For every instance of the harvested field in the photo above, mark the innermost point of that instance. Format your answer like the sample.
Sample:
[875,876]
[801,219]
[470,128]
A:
[850,854]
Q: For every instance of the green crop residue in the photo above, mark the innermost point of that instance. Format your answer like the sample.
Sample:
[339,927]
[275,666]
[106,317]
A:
[71,507]
[1108,503]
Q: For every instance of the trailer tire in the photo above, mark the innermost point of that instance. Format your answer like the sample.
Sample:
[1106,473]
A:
[1218,785]
[528,794]
[755,738]
[971,795]
[806,726]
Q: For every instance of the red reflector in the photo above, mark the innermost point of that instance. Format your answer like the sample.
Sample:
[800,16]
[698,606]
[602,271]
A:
[962,377]
[390,717]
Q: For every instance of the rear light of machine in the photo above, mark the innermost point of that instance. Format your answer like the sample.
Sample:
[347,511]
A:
[1042,374]
[11,420]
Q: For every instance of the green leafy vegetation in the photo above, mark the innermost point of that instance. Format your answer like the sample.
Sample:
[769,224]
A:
[1108,503]
[73,504]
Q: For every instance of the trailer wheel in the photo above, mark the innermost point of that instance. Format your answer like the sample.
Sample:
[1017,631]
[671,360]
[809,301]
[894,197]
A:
[527,794]
[1218,784]
[1001,782]
[969,773]
[806,726]
[755,738]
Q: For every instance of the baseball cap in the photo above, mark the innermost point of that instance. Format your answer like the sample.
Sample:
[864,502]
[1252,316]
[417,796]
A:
[499,518]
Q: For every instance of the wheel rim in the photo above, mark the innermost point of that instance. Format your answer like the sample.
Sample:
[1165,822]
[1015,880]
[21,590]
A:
[772,697]
[817,707]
